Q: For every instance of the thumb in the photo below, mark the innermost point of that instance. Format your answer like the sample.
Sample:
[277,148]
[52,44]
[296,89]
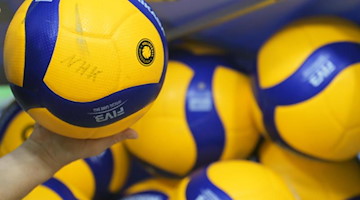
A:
[99,145]
[126,134]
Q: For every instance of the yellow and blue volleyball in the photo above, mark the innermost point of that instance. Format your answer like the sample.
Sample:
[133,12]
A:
[234,180]
[313,179]
[15,127]
[307,87]
[85,68]
[96,177]
[55,189]
[203,114]
[153,188]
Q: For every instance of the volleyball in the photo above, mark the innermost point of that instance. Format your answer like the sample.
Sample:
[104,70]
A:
[234,180]
[15,127]
[85,68]
[203,114]
[307,87]
[153,188]
[97,177]
[310,178]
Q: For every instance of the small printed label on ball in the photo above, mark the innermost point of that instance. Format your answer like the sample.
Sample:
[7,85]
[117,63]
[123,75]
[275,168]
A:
[319,71]
[144,197]
[200,102]
[107,112]
[43,0]
[207,194]
[145,52]
[200,98]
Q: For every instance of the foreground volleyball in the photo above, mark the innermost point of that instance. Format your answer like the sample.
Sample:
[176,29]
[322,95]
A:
[85,68]
[307,87]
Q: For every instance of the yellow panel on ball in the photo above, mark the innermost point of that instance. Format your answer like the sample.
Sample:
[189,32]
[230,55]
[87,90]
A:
[78,67]
[307,87]
[313,179]
[16,57]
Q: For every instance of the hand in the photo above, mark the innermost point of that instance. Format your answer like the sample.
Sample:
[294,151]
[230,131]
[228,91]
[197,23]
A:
[58,150]
[44,153]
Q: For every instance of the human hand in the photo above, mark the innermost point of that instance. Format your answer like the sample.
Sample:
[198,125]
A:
[42,155]
[57,150]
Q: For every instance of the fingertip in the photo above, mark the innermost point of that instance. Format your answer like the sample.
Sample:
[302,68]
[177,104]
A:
[130,134]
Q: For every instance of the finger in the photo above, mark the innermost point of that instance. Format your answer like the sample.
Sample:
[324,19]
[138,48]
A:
[129,134]
[105,143]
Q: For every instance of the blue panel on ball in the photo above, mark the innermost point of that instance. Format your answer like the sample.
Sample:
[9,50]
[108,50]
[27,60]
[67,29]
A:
[102,167]
[97,113]
[60,188]
[312,77]
[201,115]
[41,29]
[8,115]
[156,195]
[200,187]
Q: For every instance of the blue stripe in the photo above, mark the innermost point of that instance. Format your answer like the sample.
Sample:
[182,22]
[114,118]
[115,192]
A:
[150,194]
[8,115]
[60,188]
[102,167]
[201,115]
[136,172]
[83,114]
[200,187]
[41,29]
[306,82]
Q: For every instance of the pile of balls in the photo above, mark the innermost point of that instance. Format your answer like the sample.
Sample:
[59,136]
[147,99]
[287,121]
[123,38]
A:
[207,131]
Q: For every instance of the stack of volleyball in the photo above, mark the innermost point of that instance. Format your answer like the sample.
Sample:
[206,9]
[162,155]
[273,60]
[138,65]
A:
[98,177]
[202,115]
[85,68]
[307,87]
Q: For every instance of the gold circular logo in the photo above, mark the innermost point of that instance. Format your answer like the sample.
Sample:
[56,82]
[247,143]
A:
[145,52]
